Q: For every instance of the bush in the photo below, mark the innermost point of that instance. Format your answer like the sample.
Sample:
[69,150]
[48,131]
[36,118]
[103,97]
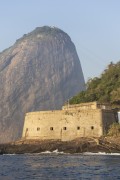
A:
[114,130]
[104,89]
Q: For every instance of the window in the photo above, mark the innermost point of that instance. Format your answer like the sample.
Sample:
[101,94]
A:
[51,128]
[92,127]
[38,129]
[78,128]
[64,128]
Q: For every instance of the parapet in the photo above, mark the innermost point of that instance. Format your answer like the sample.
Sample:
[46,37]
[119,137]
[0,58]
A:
[87,106]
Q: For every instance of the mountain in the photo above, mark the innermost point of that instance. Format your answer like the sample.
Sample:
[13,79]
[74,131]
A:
[104,89]
[39,72]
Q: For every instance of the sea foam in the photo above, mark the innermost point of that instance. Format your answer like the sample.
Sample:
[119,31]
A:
[102,153]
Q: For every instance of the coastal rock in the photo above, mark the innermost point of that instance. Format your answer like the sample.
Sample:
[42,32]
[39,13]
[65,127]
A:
[39,72]
[80,145]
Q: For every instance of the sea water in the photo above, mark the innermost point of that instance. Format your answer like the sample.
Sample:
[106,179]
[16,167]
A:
[60,166]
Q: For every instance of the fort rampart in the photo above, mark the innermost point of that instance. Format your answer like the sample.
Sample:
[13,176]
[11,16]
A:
[73,121]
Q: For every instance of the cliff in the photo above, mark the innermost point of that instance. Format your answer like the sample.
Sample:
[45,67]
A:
[39,72]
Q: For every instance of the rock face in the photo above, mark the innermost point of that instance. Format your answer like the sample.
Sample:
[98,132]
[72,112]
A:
[79,145]
[39,72]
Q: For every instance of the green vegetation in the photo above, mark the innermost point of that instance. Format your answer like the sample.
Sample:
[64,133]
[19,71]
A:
[114,130]
[104,89]
[46,30]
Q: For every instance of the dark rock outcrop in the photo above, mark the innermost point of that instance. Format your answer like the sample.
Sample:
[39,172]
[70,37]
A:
[39,72]
[80,145]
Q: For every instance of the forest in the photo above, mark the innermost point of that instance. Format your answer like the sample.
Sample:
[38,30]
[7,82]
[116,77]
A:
[104,89]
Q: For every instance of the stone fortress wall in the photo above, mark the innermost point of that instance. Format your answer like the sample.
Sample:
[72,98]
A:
[73,121]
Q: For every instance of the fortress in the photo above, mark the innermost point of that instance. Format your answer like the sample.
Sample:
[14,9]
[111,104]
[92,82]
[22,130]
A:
[73,121]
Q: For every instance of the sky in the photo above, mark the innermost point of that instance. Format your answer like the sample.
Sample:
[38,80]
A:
[93,25]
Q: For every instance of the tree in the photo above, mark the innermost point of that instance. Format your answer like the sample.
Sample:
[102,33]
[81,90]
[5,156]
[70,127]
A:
[105,88]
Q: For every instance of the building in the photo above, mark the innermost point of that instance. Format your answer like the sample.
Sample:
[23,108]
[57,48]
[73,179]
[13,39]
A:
[73,121]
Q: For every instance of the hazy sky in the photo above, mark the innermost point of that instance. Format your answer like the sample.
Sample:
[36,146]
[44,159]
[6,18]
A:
[93,25]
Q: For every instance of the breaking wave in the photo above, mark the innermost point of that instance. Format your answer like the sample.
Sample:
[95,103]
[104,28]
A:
[52,152]
[102,153]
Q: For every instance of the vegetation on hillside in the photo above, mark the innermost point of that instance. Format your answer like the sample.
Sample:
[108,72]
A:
[114,130]
[104,89]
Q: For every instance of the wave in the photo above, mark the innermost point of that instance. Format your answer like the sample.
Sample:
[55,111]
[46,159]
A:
[9,154]
[56,152]
[101,153]
[52,152]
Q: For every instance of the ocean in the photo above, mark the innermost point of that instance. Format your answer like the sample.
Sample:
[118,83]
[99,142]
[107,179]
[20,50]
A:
[60,166]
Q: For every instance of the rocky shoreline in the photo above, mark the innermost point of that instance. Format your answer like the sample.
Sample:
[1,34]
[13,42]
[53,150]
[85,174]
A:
[80,145]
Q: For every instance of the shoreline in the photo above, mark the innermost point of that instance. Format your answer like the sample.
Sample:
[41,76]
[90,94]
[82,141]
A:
[79,145]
